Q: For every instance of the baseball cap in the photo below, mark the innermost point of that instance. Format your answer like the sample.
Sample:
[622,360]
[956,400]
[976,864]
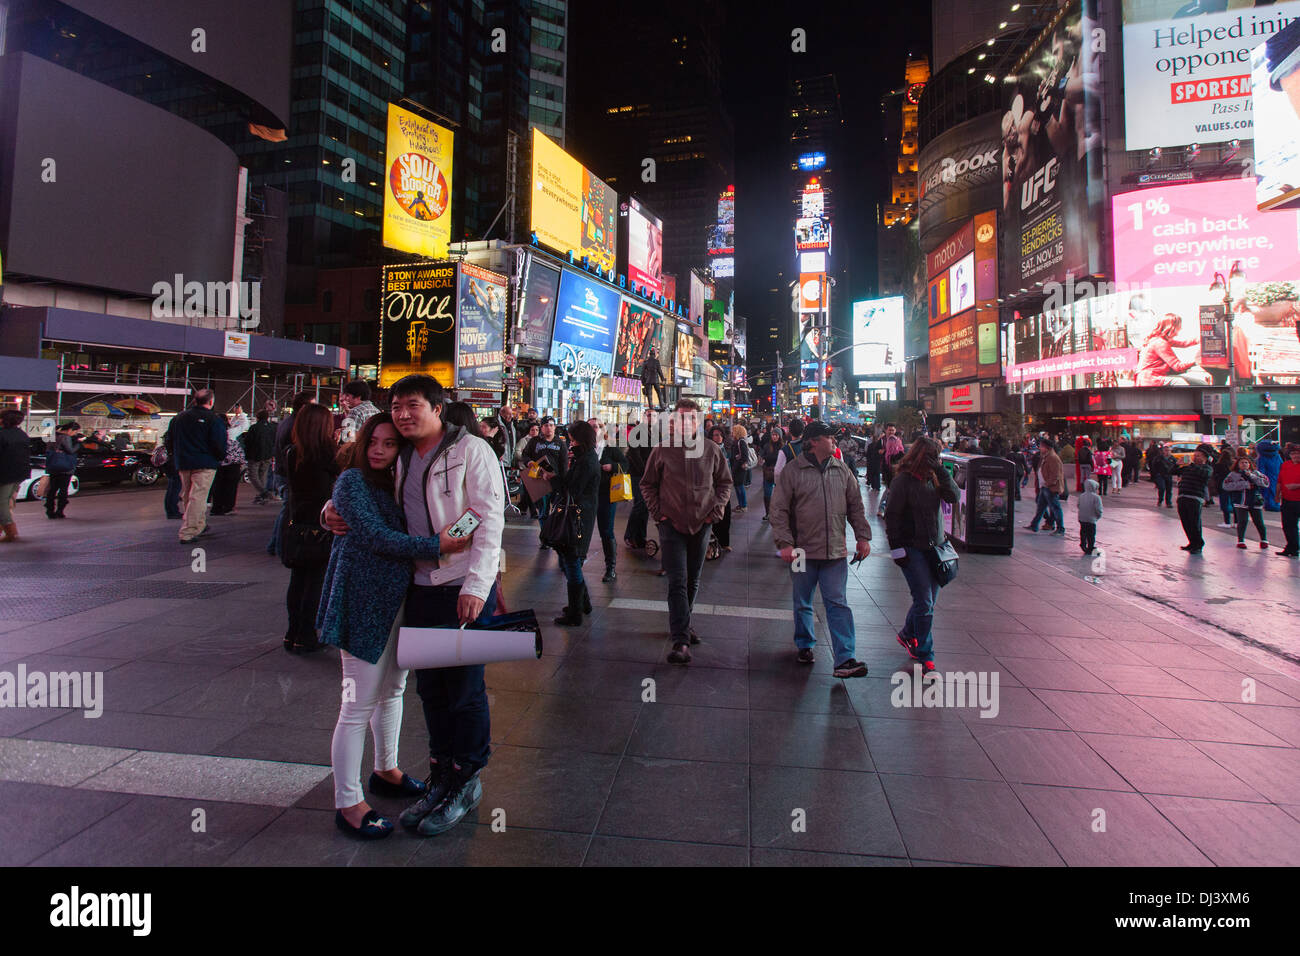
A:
[817,430]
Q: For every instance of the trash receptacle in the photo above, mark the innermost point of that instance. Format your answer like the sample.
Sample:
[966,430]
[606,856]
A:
[983,519]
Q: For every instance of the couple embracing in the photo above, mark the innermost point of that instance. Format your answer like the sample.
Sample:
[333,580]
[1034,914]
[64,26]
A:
[391,565]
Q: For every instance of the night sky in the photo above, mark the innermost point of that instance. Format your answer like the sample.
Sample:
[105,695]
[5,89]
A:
[866,47]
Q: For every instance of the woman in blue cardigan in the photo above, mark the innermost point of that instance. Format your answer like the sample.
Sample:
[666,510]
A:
[366,581]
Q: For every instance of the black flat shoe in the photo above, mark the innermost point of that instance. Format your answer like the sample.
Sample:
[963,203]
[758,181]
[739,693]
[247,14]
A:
[409,787]
[373,826]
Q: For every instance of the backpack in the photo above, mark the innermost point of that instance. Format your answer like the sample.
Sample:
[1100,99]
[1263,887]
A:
[792,450]
[751,456]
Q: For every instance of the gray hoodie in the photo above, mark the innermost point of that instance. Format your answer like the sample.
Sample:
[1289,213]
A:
[1090,503]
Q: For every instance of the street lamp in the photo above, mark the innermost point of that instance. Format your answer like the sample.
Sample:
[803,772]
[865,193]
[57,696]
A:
[1235,274]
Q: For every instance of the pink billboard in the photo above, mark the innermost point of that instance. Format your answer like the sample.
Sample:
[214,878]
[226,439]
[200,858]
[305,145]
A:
[1182,235]
[1087,363]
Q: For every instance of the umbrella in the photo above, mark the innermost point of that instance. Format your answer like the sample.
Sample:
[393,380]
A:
[100,409]
[136,406]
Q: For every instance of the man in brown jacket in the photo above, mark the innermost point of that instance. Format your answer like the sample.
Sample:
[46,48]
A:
[814,498]
[686,487]
[1050,489]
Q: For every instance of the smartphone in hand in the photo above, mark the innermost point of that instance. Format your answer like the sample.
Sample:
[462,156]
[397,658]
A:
[464,525]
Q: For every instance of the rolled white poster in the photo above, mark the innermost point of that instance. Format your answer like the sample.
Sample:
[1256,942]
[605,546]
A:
[419,648]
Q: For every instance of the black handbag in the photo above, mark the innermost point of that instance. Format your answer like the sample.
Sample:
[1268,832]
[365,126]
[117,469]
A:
[304,545]
[943,563]
[562,529]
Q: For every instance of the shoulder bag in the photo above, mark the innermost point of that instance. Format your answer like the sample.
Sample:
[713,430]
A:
[562,529]
[943,562]
[305,546]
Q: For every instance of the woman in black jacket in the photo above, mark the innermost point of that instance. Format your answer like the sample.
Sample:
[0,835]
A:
[312,470]
[914,529]
[581,483]
[612,463]
[768,450]
[722,530]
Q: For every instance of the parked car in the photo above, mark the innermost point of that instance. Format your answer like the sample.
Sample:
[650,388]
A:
[27,489]
[105,465]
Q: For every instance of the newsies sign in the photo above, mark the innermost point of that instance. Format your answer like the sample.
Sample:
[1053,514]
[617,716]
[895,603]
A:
[960,174]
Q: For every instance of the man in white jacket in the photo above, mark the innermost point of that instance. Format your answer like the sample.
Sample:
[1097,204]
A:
[444,471]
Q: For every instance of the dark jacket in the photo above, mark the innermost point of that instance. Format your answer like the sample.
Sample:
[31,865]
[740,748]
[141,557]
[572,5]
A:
[283,439]
[1193,481]
[556,451]
[912,517]
[739,473]
[199,437]
[687,490]
[15,456]
[309,489]
[369,570]
[611,456]
[69,445]
[259,442]
[651,372]
[581,481]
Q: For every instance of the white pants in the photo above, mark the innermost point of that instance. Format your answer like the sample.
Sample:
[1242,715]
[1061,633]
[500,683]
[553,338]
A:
[372,694]
[1117,473]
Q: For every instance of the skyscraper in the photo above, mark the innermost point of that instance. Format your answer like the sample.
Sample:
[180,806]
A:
[647,117]
[548,70]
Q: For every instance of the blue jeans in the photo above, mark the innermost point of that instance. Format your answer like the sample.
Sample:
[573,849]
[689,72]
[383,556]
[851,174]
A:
[683,558]
[1225,505]
[273,546]
[455,698]
[833,576]
[768,488]
[543,509]
[1050,505]
[925,591]
[571,565]
[1164,489]
[172,498]
[741,496]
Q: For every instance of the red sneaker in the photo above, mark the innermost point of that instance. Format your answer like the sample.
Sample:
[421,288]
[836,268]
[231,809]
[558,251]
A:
[927,668]
[910,645]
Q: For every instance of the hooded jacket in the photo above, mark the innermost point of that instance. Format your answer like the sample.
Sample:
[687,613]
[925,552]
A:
[464,473]
[1090,503]
[1270,464]
[811,505]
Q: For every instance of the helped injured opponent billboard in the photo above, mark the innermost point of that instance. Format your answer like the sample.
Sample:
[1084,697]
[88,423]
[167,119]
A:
[1187,69]
[1052,146]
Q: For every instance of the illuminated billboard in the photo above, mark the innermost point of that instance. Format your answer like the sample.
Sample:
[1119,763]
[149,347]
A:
[641,333]
[812,232]
[813,201]
[723,267]
[722,235]
[811,161]
[954,351]
[645,247]
[480,328]
[572,208]
[1052,152]
[813,294]
[586,320]
[417,193]
[417,321]
[961,280]
[697,294]
[1182,235]
[1187,73]
[1275,91]
[1154,338]
[878,336]
[537,310]
[688,347]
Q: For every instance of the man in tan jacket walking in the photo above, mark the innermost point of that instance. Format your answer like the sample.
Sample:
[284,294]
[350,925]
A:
[815,496]
[686,487]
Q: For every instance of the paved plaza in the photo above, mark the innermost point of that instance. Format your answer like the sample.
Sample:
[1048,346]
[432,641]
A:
[1148,714]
